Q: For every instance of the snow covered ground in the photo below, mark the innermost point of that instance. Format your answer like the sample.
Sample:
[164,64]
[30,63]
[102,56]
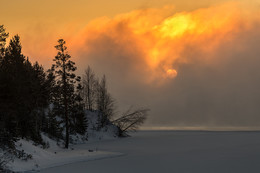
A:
[55,156]
[174,152]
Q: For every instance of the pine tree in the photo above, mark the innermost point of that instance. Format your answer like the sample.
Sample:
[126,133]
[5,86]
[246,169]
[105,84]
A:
[12,80]
[51,125]
[3,37]
[6,139]
[23,93]
[40,88]
[40,99]
[78,117]
[64,91]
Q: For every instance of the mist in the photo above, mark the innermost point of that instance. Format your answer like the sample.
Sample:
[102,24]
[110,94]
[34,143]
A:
[218,78]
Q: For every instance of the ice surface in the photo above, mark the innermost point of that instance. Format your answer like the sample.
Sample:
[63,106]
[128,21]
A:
[175,152]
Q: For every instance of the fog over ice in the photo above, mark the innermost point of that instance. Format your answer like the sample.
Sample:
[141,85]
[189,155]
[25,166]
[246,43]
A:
[218,81]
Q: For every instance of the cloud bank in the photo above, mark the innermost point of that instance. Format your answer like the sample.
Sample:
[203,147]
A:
[198,68]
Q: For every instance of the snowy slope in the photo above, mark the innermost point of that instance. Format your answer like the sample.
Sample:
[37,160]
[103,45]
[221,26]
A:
[108,132]
[55,155]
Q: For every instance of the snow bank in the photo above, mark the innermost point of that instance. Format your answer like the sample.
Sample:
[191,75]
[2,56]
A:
[107,133]
[55,156]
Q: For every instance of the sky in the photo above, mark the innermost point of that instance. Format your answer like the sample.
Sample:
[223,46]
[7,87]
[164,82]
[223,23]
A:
[194,64]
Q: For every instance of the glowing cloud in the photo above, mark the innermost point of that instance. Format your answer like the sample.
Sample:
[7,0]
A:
[159,39]
[171,73]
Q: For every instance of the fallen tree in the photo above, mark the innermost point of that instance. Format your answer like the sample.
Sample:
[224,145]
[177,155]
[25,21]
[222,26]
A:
[130,121]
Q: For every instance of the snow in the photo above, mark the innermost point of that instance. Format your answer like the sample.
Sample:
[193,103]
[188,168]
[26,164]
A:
[55,156]
[175,151]
[147,151]
[106,133]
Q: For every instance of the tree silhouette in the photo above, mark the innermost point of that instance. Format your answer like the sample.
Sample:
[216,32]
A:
[23,95]
[89,89]
[64,70]
[130,120]
[3,36]
[105,103]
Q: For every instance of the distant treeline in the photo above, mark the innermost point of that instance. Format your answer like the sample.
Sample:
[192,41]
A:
[54,101]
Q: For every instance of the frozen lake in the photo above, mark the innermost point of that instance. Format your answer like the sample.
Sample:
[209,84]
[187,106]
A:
[175,152]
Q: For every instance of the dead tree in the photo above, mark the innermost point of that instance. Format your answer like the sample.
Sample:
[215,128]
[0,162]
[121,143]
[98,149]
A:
[131,120]
[105,103]
[89,89]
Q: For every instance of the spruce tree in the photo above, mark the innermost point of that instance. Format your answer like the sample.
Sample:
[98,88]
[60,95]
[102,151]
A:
[13,80]
[5,138]
[23,93]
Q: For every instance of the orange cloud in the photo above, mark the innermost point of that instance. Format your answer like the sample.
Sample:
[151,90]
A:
[157,39]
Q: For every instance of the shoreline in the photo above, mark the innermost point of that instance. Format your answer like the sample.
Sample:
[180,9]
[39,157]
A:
[210,129]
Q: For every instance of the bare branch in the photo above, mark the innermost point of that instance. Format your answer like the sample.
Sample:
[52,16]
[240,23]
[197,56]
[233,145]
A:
[131,120]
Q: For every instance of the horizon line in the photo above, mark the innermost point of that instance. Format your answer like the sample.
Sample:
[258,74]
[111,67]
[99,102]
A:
[200,128]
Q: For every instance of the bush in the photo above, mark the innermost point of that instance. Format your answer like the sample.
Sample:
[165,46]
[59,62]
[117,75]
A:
[5,158]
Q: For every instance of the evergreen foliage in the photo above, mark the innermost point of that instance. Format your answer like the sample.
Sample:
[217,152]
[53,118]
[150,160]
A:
[21,98]
[66,91]
[33,101]
[52,126]
[3,36]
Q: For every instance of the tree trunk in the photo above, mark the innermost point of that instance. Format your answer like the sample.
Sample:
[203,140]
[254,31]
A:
[65,106]
[67,122]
